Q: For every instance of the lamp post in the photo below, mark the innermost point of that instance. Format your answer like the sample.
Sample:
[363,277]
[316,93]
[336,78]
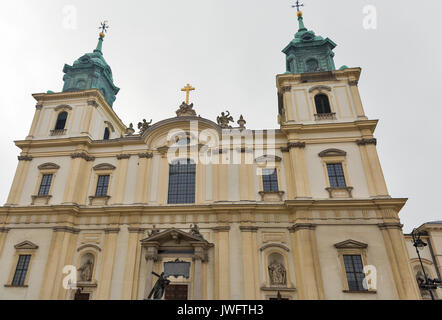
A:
[429,284]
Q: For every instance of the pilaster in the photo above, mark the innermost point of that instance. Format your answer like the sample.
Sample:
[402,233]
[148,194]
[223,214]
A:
[307,267]
[107,263]
[222,263]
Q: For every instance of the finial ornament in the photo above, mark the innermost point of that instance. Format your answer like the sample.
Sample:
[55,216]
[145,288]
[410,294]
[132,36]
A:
[187,89]
[297,6]
[103,27]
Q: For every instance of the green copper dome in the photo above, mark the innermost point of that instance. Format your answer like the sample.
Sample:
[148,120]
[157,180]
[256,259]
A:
[308,52]
[91,71]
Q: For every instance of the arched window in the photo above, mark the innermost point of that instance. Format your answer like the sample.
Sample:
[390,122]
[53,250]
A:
[61,120]
[182,182]
[312,65]
[106,134]
[322,104]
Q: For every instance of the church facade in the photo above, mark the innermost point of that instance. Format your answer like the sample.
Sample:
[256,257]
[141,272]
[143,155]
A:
[99,211]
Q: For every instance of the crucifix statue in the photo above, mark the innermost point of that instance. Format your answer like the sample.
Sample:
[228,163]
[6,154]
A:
[187,90]
[159,287]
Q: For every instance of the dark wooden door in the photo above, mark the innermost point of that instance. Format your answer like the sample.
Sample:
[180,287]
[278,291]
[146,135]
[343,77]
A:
[176,292]
[81,296]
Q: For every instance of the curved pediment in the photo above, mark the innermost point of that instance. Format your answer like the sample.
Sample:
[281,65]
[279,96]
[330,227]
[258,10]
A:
[268,158]
[158,134]
[332,153]
[104,166]
[49,166]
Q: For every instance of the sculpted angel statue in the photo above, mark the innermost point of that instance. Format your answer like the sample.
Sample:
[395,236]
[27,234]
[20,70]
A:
[224,120]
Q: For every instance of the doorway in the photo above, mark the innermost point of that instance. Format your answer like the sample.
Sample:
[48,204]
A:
[176,292]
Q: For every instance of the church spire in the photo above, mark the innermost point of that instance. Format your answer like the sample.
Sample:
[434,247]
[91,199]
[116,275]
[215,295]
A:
[301,22]
[91,71]
[104,26]
[308,52]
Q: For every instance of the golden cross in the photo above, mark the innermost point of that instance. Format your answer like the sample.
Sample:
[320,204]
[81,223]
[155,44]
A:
[187,89]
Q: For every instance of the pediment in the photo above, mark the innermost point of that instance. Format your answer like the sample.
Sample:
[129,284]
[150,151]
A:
[175,236]
[26,245]
[268,158]
[104,166]
[48,166]
[332,153]
[351,244]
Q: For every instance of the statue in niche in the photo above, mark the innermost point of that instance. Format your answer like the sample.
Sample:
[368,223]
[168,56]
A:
[277,274]
[86,271]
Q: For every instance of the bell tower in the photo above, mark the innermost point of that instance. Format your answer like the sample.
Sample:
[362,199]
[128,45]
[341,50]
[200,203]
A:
[308,52]
[91,71]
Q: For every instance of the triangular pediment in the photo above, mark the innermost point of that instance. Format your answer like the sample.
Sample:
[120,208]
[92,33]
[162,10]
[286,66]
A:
[28,245]
[175,236]
[351,244]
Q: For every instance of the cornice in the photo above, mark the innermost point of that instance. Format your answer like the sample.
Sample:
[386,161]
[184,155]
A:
[330,127]
[226,208]
[350,74]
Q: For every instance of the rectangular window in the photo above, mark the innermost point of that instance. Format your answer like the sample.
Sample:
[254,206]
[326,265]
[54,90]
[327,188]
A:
[45,185]
[354,270]
[270,180]
[182,182]
[336,175]
[102,186]
[21,270]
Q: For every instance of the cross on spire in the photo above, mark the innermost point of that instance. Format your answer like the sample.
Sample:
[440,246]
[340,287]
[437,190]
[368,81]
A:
[298,5]
[187,89]
[103,27]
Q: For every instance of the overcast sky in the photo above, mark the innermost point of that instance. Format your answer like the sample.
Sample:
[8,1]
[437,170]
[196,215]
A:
[230,50]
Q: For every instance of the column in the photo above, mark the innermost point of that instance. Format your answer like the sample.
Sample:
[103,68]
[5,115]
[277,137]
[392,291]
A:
[35,121]
[222,263]
[107,263]
[19,180]
[130,267]
[249,262]
[307,268]
[119,183]
[299,166]
[151,258]
[399,261]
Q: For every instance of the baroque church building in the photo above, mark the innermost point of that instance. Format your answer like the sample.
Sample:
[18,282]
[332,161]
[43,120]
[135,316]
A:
[98,210]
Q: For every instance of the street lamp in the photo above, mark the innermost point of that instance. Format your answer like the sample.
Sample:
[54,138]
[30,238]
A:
[427,284]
